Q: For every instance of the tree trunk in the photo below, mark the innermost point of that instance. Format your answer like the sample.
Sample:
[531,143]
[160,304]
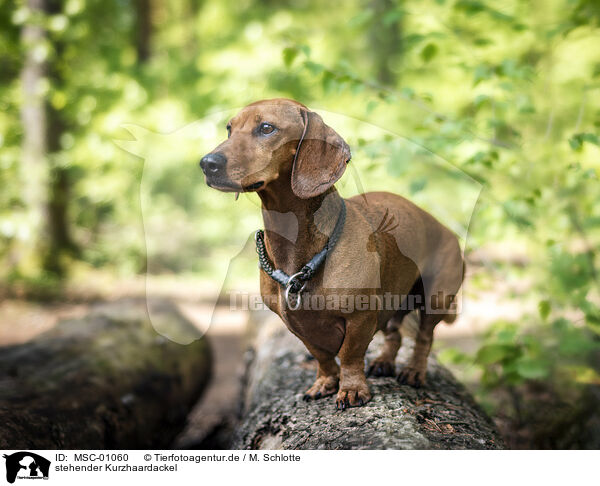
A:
[60,241]
[34,168]
[45,188]
[442,415]
[107,380]
[143,9]
[386,41]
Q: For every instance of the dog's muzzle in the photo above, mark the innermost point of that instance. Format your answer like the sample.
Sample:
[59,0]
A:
[213,164]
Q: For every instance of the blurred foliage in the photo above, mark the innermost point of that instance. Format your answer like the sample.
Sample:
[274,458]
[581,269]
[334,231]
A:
[485,113]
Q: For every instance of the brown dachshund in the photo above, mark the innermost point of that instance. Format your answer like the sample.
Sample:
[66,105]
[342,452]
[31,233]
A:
[381,256]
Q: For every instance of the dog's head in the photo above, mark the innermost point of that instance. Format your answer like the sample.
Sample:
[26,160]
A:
[277,138]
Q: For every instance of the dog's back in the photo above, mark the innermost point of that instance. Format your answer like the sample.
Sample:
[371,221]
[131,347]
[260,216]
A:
[418,237]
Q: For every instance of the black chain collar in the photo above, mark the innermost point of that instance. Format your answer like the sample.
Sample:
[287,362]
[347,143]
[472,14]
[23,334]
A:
[296,283]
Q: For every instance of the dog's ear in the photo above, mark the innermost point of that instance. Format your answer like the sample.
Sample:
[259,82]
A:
[320,159]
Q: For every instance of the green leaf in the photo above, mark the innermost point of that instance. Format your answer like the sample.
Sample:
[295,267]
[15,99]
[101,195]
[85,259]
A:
[491,353]
[429,52]
[577,140]
[453,356]
[361,19]
[393,17]
[412,40]
[480,100]
[584,375]
[470,6]
[544,309]
[371,105]
[590,138]
[507,335]
[490,377]
[328,81]
[408,92]
[532,369]
[314,68]
[356,87]
[592,321]
[289,54]
[481,73]
[305,49]
[575,143]
[417,185]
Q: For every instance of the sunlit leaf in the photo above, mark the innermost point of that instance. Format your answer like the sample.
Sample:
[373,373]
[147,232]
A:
[544,309]
[577,140]
[532,369]
[492,353]
[289,54]
[454,356]
[393,16]
[417,185]
[429,52]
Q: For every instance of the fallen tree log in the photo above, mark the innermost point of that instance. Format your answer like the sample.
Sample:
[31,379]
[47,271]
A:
[441,415]
[107,380]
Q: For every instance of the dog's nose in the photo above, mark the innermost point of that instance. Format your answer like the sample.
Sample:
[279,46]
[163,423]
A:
[213,163]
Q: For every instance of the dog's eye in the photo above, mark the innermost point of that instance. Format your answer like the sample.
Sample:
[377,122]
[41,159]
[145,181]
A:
[228,131]
[266,128]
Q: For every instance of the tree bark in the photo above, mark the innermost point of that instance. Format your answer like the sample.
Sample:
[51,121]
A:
[442,415]
[34,165]
[45,187]
[143,9]
[60,241]
[107,380]
[386,41]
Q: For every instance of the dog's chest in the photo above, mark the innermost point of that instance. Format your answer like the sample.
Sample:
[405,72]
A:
[321,329]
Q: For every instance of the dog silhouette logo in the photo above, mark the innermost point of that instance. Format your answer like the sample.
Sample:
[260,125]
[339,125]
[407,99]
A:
[26,465]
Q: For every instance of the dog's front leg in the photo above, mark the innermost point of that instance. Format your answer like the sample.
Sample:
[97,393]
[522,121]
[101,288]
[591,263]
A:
[354,390]
[328,374]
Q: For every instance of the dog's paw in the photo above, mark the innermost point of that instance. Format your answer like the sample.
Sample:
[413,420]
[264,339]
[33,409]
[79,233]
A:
[381,367]
[412,376]
[322,387]
[354,397]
